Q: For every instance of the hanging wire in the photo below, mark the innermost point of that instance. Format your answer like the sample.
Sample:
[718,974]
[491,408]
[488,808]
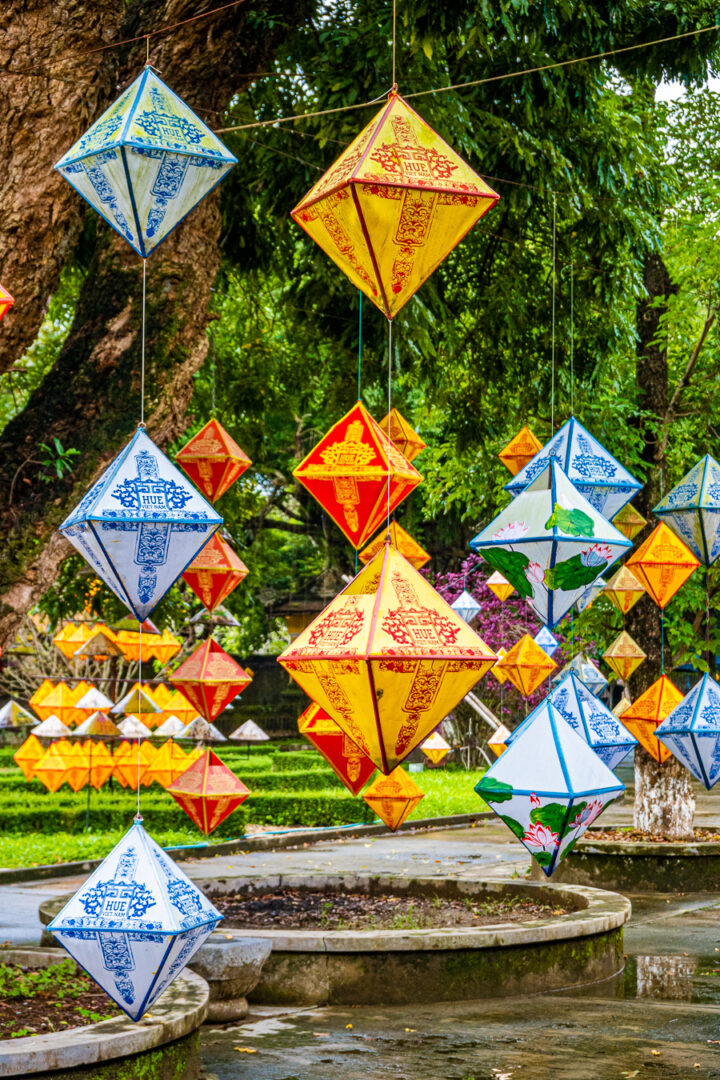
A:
[142,350]
[138,815]
[554,290]
[572,341]
[360,296]
[662,641]
[389,424]
[394,21]
[212,347]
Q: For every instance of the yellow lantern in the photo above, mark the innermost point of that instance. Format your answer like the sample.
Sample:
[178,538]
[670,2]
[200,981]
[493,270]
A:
[44,688]
[500,586]
[499,672]
[526,665]
[498,740]
[402,434]
[624,655]
[521,449]
[624,590]
[78,766]
[100,763]
[663,564]
[60,702]
[435,747]
[170,761]
[646,712]
[27,756]
[403,541]
[629,521]
[51,769]
[393,797]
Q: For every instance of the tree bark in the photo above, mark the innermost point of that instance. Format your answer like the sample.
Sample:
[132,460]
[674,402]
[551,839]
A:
[91,399]
[664,800]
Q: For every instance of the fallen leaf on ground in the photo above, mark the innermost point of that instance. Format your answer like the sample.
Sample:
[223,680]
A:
[245,1049]
[656,1053]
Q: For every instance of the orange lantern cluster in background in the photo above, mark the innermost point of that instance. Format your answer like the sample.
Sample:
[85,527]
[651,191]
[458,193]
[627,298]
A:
[345,758]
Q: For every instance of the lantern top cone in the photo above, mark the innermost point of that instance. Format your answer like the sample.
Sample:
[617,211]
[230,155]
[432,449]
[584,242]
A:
[387,659]
[521,449]
[435,747]
[663,563]
[466,606]
[393,205]
[403,541]
[249,732]
[13,714]
[213,460]
[6,301]
[692,510]
[349,471]
[402,434]
[146,162]
[140,524]
[546,640]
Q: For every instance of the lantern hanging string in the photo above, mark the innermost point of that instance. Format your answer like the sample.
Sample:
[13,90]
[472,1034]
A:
[394,39]
[389,407]
[212,357]
[360,296]
[138,815]
[142,351]
[554,290]
[572,341]
[662,641]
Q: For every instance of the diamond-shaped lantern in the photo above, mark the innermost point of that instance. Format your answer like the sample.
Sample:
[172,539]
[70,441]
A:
[550,543]
[51,728]
[590,595]
[500,586]
[100,763]
[99,646]
[345,758]
[663,563]
[497,671]
[586,670]
[629,521]
[249,732]
[69,637]
[466,606]
[596,474]
[546,640]
[624,655]
[589,717]
[692,731]
[692,510]
[435,747]
[135,923]
[51,770]
[349,471]
[78,767]
[393,797]
[498,741]
[387,659]
[403,541]
[402,434]
[526,665]
[42,691]
[624,590]
[521,449]
[648,711]
[6,301]
[393,205]
[169,763]
[548,787]
[210,679]
[213,460]
[208,792]
[164,646]
[140,525]
[60,701]
[13,714]
[214,572]
[131,762]
[146,162]
[99,726]
[27,756]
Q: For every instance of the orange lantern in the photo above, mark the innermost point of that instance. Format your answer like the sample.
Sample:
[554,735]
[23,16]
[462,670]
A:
[100,645]
[60,640]
[51,770]
[526,665]
[137,646]
[214,572]
[498,672]
[387,659]
[349,472]
[393,797]
[646,712]
[663,564]
[629,521]
[521,449]
[624,655]
[60,702]
[213,460]
[403,541]
[179,707]
[100,763]
[6,301]
[209,679]
[393,206]
[402,434]
[27,756]
[169,762]
[131,761]
[435,748]
[500,586]
[498,740]
[208,791]
[164,646]
[78,766]
[346,759]
[624,590]
[44,688]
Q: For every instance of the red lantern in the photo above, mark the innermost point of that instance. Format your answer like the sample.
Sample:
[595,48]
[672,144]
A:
[345,757]
[208,792]
[6,301]
[213,460]
[214,572]
[209,679]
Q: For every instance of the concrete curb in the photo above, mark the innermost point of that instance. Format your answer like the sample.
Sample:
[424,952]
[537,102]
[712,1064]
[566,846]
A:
[636,866]
[178,1012]
[270,842]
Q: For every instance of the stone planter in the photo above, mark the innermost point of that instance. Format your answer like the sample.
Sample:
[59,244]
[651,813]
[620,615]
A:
[231,966]
[636,867]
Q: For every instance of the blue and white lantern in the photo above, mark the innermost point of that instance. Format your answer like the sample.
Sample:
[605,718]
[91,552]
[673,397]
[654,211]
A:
[586,670]
[146,163]
[692,510]
[589,717]
[135,923]
[590,595]
[548,787]
[466,606]
[547,641]
[141,525]
[592,469]
[692,731]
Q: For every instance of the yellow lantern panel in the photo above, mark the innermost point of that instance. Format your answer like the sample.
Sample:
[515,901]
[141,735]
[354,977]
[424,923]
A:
[520,451]
[624,590]
[663,563]
[629,521]
[393,797]
[400,539]
[500,586]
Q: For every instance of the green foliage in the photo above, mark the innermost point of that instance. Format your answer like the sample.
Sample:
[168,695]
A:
[56,459]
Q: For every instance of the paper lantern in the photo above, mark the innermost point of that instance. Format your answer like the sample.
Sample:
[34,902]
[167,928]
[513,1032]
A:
[499,739]
[249,732]
[624,590]
[135,923]
[550,543]
[648,711]
[169,762]
[215,572]
[629,521]
[60,702]
[500,586]
[402,434]
[624,656]
[140,525]
[435,747]
[99,726]
[100,763]
[163,647]
[409,548]
[588,717]
[663,563]
[146,162]
[208,792]
[213,460]
[43,689]
[14,715]
[692,731]
[387,659]
[132,763]
[590,595]
[546,640]
[180,707]
[147,645]
[393,206]
[602,480]
[132,727]
[52,768]
[210,679]
[692,510]
[6,301]
[498,672]
[466,606]
[622,706]
[587,671]
[93,700]
[349,472]
[27,756]
[139,701]
[78,767]
[548,787]
[200,730]
[393,798]
[69,637]
[51,728]
[171,726]
[526,665]
[521,449]
[344,757]
[100,645]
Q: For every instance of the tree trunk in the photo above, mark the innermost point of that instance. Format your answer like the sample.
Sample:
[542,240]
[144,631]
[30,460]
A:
[91,399]
[664,800]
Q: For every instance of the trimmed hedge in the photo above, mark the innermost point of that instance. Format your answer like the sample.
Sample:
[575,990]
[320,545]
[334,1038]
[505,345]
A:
[312,809]
[299,760]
